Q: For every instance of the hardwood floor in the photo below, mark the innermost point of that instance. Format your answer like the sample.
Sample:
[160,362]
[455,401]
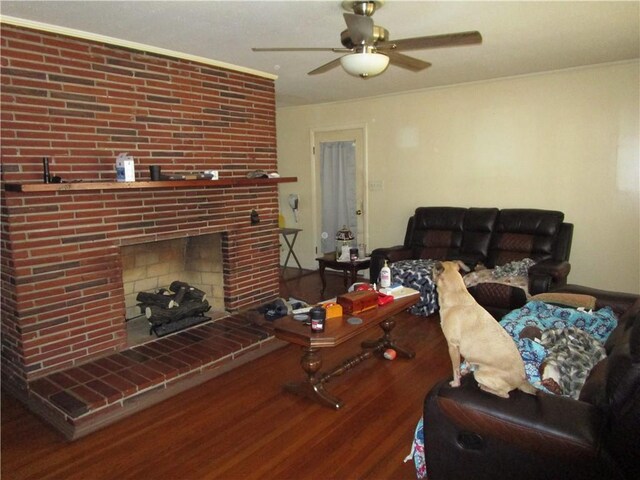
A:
[242,425]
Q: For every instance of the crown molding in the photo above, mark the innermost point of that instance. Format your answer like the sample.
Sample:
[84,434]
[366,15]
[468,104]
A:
[71,32]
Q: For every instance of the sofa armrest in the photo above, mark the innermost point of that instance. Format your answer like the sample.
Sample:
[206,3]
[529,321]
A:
[473,434]
[618,301]
[392,254]
[557,270]
[547,275]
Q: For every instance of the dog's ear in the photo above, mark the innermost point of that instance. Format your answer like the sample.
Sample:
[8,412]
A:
[438,268]
[463,266]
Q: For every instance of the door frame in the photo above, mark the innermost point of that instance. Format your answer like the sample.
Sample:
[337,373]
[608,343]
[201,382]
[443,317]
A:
[314,133]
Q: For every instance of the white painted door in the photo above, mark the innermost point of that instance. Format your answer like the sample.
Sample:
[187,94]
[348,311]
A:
[350,179]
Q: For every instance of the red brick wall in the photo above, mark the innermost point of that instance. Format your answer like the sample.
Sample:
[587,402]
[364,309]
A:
[81,103]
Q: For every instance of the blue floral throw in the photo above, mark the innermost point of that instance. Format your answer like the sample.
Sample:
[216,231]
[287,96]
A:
[598,324]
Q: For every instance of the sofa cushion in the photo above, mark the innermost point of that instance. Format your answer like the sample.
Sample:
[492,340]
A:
[437,244]
[524,233]
[437,232]
[478,227]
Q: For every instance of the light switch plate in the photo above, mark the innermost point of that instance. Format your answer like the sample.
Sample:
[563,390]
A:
[376,185]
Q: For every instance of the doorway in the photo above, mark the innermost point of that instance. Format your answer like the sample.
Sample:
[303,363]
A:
[340,172]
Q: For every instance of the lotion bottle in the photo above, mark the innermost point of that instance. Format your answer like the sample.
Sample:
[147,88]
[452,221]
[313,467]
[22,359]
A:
[385,276]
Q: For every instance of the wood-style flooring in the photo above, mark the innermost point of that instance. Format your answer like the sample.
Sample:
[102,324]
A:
[242,425]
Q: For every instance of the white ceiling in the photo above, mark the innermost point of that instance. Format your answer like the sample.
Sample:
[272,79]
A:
[519,37]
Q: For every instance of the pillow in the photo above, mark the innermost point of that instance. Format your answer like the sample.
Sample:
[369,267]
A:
[574,300]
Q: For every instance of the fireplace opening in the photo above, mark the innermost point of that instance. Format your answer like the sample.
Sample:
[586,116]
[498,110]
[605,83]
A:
[155,267]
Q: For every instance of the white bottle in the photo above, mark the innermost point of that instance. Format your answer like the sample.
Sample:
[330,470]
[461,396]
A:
[385,276]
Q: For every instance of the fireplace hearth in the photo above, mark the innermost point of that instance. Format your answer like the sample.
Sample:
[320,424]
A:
[82,399]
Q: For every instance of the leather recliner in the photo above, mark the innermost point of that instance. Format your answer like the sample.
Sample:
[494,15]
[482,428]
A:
[469,433]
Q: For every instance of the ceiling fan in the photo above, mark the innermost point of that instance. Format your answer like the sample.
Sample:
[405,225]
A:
[368,48]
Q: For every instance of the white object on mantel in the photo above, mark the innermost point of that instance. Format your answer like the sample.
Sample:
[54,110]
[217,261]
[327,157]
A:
[125,169]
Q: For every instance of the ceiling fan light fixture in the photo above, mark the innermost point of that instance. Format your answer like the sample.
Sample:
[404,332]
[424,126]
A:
[364,64]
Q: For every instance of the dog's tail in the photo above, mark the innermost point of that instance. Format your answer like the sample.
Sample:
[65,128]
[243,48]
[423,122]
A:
[526,387]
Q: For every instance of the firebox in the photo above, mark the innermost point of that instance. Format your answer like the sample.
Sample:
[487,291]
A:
[153,267]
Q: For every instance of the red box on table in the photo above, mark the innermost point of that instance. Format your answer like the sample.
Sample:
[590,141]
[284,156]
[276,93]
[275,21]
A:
[356,302]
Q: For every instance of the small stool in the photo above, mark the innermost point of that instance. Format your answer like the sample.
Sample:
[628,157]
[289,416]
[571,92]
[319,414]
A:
[285,232]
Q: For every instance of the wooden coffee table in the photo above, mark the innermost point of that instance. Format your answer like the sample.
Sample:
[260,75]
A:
[339,330]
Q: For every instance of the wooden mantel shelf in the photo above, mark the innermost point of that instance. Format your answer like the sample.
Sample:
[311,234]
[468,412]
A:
[90,186]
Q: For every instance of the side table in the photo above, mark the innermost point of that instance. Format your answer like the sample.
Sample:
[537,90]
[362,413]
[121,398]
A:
[285,232]
[349,269]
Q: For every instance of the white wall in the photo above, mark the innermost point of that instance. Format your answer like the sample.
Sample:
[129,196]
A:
[565,140]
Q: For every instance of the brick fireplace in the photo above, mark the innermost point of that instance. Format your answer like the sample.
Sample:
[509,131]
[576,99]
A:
[80,103]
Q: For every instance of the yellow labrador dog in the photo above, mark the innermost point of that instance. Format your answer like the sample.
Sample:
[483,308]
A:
[472,333]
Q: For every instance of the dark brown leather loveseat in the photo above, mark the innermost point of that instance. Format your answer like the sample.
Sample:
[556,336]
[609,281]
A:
[492,237]
[472,434]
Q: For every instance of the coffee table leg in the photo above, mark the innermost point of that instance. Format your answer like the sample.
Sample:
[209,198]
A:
[386,341]
[313,388]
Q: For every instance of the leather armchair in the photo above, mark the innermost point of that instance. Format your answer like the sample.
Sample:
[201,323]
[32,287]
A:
[472,434]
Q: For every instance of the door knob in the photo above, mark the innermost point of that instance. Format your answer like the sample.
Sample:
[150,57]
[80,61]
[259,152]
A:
[358,212]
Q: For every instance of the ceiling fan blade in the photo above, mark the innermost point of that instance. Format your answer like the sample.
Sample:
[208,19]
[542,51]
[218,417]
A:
[300,49]
[433,41]
[360,28]
[405,61]
[326,67]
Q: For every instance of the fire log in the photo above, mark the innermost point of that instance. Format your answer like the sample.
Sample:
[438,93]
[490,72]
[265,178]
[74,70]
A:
[158,315]
[191,292]
[179,297]
[164,301]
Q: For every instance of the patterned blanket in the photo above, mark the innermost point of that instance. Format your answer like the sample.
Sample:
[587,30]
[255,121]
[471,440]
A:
[571,354]
[544,316]
[514,274]
[417,274]
[558,326]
